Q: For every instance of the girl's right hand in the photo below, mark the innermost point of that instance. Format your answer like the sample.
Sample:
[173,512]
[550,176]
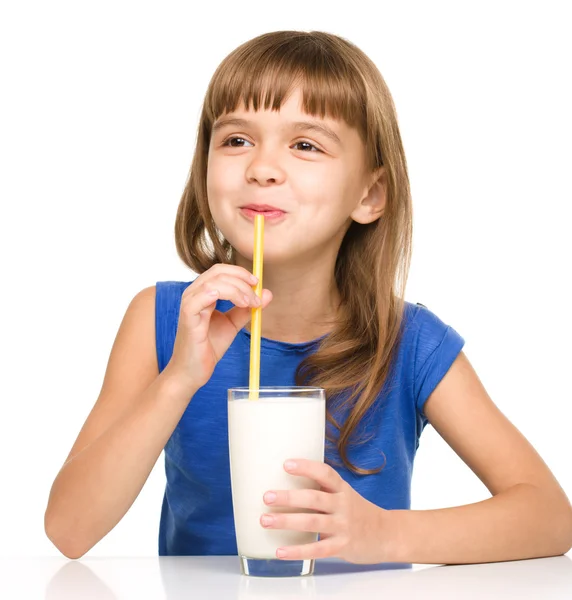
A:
[205,334]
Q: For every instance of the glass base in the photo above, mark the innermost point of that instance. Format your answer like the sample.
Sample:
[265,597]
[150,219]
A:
[260,567]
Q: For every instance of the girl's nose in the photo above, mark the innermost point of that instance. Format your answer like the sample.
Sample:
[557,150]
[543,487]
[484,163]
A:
[264,169]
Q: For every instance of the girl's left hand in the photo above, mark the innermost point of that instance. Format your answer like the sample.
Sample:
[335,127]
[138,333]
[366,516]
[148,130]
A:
[350,527]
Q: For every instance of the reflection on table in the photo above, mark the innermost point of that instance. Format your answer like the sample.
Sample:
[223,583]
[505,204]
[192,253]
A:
[218,577]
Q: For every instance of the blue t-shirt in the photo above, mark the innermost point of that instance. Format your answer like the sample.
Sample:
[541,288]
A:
[197,516]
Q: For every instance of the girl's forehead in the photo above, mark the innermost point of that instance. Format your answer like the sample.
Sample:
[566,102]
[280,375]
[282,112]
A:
[292,103]
[282,114]
[290,112]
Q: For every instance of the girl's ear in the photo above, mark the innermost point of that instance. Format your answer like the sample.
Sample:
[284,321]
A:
[372,203]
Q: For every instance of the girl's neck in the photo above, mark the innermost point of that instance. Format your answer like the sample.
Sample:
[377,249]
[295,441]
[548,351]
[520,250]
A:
[304,304]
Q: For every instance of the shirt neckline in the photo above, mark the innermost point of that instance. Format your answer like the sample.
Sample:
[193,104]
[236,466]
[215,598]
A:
[268,343]
[278,344]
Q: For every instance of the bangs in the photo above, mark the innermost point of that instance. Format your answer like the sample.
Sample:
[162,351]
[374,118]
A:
[263,72]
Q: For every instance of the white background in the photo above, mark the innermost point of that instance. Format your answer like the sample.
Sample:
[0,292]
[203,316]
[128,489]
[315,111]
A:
[98,118]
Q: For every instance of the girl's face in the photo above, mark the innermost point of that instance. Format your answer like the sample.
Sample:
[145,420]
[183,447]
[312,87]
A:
[312,169]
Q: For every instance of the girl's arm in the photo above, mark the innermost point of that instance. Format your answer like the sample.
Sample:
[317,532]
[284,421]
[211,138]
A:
[529,514]
[126,431]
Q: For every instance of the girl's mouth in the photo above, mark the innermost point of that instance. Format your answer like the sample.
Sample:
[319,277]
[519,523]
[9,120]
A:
[271,215]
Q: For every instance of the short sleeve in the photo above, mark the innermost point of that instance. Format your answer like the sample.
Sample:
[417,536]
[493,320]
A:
[438,344]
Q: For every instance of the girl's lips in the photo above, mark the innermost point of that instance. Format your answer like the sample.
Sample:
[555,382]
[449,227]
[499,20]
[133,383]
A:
[272,215]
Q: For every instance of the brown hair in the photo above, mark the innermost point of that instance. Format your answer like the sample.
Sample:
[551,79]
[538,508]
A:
[336,79]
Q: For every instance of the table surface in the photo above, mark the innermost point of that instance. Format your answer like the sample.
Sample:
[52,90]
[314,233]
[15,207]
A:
[219,578]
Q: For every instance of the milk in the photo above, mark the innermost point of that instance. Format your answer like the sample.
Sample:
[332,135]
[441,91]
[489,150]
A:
[263,434]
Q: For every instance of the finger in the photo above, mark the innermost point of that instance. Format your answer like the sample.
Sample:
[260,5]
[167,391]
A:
[229,291]
[322,549]
[245,288]
[200,308]
[235,271]
[239,317]
[316,523]
[324,502]
[328,478]
[219,269]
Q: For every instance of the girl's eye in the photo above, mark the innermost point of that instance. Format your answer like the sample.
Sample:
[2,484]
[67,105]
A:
[230,140]
[308,144]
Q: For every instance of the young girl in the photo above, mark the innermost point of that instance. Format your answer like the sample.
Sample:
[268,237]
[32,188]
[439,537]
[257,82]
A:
[302,127]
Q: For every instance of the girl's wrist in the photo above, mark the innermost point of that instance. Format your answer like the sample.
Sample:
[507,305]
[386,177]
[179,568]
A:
[179,386]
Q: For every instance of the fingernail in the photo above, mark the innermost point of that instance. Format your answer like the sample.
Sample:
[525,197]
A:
[290,465]
[267,520]
[254,279]
[280,553]
[269,497]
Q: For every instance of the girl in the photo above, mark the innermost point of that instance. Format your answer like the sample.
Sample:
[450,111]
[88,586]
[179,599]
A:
[302,127]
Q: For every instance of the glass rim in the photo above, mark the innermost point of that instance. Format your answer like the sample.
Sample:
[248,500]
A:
[273,388]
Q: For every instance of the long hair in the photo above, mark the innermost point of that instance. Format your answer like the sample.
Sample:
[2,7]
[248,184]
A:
[337,80]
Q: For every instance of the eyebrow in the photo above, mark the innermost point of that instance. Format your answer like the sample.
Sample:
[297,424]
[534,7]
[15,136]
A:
[297,125]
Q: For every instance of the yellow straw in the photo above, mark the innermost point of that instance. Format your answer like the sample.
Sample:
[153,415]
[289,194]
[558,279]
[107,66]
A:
[256,321]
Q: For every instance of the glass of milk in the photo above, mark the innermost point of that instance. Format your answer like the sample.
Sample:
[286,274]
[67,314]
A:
[283,423]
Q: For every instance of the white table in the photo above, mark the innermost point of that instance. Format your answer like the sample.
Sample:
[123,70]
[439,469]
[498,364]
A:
[219,578]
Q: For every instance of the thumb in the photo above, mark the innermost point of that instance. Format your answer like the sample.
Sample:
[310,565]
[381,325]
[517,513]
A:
[239,316]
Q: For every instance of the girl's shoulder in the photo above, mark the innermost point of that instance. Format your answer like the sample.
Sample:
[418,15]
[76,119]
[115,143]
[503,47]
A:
[419,320]
[168,294]
[174,288]
[426,336]
[429,345]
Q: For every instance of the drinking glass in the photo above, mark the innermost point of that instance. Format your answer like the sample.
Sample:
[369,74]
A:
[283,423]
